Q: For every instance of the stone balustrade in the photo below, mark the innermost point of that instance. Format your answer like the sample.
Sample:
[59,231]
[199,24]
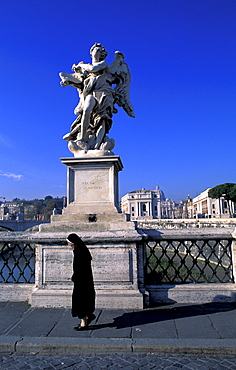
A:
[118,267]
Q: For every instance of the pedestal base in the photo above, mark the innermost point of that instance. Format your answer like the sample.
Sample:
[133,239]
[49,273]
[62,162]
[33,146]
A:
[109,299]
[92,193]
[114,271]
[92,213]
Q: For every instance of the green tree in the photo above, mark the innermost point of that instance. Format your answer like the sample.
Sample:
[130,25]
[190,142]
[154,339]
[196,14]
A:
[233,193]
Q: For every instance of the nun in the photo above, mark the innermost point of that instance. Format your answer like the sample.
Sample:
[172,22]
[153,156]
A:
[83,296]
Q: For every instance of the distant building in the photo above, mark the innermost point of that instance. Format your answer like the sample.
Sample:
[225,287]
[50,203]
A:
[203,206]
[148,204]
[180,209]
[9,210]
[189,207]
[184,209]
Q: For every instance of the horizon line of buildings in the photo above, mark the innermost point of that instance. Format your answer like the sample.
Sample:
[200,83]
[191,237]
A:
[138,204]
[152,204]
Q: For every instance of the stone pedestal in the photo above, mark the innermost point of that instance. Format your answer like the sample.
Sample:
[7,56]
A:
[92,213]
[92,195]
[92,184]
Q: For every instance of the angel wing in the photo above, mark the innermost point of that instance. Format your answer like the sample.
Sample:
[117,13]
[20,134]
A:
[121,74]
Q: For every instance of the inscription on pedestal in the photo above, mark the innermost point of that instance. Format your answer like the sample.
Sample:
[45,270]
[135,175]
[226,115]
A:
[92,186]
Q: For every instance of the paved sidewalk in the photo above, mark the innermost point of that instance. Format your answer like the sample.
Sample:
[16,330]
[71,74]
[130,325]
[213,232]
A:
[178,328]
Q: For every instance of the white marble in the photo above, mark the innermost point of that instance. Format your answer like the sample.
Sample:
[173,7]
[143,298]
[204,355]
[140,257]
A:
[100,87]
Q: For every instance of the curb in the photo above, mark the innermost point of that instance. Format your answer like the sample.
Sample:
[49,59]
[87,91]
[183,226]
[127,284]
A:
[186,346]
[73,346]
[8,344]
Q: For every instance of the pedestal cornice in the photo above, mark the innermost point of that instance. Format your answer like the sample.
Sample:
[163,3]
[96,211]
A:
[72,161]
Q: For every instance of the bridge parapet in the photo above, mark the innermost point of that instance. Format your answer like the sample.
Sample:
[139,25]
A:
[121,263]
[20,225]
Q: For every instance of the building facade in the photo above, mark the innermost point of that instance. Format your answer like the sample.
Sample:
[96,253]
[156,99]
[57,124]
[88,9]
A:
[10,210]
[148,204]
[203,206]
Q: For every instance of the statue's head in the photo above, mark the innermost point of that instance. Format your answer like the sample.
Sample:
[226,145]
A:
[103,52]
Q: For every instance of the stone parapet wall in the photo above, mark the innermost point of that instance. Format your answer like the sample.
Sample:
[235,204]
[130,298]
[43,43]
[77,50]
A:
[118,264]
[186,223]
[115,269]
[191,292]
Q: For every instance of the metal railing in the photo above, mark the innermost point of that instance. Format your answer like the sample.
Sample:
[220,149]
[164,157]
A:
[17,262]
[168,260]
[189,260]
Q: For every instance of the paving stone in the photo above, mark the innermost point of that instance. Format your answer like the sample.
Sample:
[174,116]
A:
[192,322]
[65,327]
[38,322]
[155,323]
[109,361]
[219,319]
[10,312]
[113,324]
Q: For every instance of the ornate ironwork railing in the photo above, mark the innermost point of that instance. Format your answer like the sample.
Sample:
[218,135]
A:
[190,260]
[170,260]
[17,262]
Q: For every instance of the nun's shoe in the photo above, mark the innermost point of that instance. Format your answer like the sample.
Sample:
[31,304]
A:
[80,328]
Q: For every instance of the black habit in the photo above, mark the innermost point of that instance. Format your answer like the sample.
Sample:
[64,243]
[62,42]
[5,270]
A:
[83,296]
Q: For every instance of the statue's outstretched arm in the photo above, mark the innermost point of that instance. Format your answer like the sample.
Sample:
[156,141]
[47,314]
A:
[96,67]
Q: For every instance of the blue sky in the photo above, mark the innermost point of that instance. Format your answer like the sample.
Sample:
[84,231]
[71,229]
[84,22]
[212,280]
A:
[182,58]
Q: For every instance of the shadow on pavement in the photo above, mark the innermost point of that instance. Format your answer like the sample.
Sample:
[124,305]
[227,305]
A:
[149,316]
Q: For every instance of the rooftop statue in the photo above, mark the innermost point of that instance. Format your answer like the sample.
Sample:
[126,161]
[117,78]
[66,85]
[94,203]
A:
[100,87]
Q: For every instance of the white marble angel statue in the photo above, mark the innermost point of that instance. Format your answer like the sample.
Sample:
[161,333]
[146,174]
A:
[100,87]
